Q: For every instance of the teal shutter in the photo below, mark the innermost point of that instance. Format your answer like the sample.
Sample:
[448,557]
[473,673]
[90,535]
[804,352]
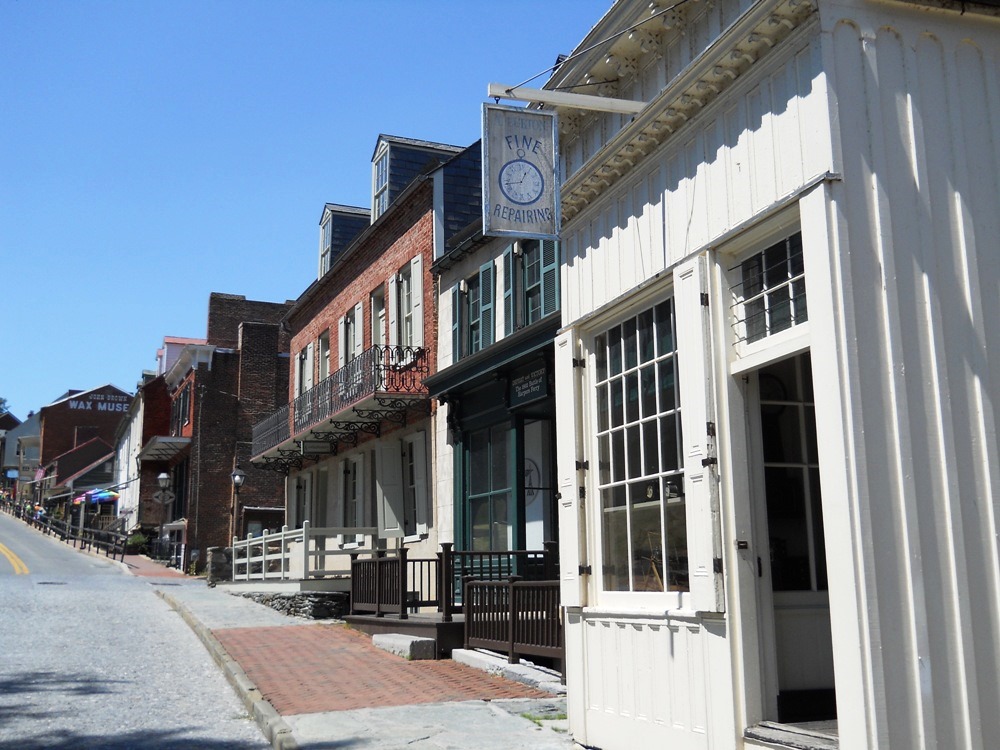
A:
[456,324]
[487,292]
[508,291]
[550,277]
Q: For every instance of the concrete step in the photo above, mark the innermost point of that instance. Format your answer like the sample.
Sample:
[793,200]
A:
[410,647]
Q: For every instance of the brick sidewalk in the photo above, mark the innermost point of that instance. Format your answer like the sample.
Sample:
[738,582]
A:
[316,668]
[143,567]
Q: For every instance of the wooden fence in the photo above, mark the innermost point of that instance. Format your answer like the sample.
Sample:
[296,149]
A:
[516,617]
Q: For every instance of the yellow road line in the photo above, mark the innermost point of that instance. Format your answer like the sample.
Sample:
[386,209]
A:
[16,562]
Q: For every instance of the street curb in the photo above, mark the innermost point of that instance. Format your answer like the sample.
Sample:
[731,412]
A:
[275,728]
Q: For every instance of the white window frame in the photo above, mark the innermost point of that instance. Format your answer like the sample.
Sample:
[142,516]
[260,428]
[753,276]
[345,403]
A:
[325,245]
[380,183]
[323,346]
[744,355]
[695,393]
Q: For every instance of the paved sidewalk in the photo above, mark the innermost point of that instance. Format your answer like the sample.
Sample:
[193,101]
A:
[321,685]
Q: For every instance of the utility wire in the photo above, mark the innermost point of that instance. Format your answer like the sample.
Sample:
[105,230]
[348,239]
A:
[594,46]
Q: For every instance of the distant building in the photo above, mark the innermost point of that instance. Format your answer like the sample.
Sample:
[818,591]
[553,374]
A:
[218,387]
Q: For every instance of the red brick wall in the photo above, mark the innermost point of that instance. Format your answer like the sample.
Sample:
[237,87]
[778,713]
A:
[226,312]
[239,389]
[406,231]
[100,410]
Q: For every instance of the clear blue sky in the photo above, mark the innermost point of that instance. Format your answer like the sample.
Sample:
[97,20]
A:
[153,152]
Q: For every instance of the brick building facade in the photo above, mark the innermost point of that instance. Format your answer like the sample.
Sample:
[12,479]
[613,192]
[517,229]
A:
[217,391]
[79,417]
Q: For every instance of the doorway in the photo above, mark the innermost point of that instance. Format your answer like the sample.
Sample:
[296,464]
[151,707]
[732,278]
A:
[792,563]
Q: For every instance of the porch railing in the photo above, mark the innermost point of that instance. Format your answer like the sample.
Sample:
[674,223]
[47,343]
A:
[381,369]
[394,583]
[519,618]
[270,555]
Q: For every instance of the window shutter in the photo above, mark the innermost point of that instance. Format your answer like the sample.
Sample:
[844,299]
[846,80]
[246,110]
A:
[341,496]
[508,291]
[487,292]
[341,343]
[359,329]
[310,356]
[360,495]
[550,277]
[417,299]
[694,349]
[389,489]
[298,376]
[572,522]
[393,311]
[418,446]
[456,324]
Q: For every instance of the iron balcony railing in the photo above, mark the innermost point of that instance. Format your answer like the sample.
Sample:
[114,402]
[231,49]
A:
[271,431]
[393,370]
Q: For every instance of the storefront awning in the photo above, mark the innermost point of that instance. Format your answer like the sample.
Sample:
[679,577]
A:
[507,351]
[163,447]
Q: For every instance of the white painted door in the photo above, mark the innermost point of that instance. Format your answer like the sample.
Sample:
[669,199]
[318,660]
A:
[794,600]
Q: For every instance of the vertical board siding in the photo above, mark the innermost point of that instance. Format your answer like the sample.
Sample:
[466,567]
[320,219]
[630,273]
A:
[921,262]
[772,136]
[651,673]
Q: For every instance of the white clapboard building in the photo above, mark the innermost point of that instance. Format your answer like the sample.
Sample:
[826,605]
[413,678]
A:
[778,376]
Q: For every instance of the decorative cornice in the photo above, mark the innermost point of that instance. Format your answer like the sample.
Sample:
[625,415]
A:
[749,39]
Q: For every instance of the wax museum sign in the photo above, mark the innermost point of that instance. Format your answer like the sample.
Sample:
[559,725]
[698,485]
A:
[520,173]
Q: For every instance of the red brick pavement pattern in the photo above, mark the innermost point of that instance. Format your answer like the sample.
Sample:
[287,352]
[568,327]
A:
[313,668]
[145,568]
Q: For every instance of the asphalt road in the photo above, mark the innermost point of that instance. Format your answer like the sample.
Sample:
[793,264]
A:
[91,658]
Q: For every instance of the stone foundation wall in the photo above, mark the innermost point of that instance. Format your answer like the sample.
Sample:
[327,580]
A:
[312,605]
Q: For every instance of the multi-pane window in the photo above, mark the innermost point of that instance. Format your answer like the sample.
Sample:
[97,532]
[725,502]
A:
[378,317]
[351,334]
[791,476]
[409,489]
[473,299]
[404,299]
[380,192]
[324,355]
[326,246]
[531,271]
[530,283]
[489,489]
[352,493]
[639,447]
[472,313]
[181,409]
[771,290]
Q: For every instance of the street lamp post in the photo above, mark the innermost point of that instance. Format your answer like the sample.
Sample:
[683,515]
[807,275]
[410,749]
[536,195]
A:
[164,481]
[239,477]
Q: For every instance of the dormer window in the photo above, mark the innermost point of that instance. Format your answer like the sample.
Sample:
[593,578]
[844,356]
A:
[325,246]
[380,187]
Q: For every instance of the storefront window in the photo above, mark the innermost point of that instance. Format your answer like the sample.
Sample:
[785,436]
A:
[643,513]
[489,489]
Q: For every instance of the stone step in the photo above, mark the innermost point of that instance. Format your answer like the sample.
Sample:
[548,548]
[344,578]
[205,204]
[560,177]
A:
[410,647]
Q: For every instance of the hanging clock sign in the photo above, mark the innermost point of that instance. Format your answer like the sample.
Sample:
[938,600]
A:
[520,173]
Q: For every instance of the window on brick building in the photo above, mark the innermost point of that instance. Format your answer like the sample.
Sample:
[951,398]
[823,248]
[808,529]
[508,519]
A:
[406,323]
[324,355]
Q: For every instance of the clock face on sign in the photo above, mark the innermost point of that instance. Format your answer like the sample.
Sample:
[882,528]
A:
[521,182]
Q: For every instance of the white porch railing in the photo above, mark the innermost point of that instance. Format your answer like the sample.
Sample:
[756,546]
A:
[299,553]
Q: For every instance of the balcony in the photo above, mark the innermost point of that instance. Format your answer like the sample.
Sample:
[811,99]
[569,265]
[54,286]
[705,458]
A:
[380,383]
